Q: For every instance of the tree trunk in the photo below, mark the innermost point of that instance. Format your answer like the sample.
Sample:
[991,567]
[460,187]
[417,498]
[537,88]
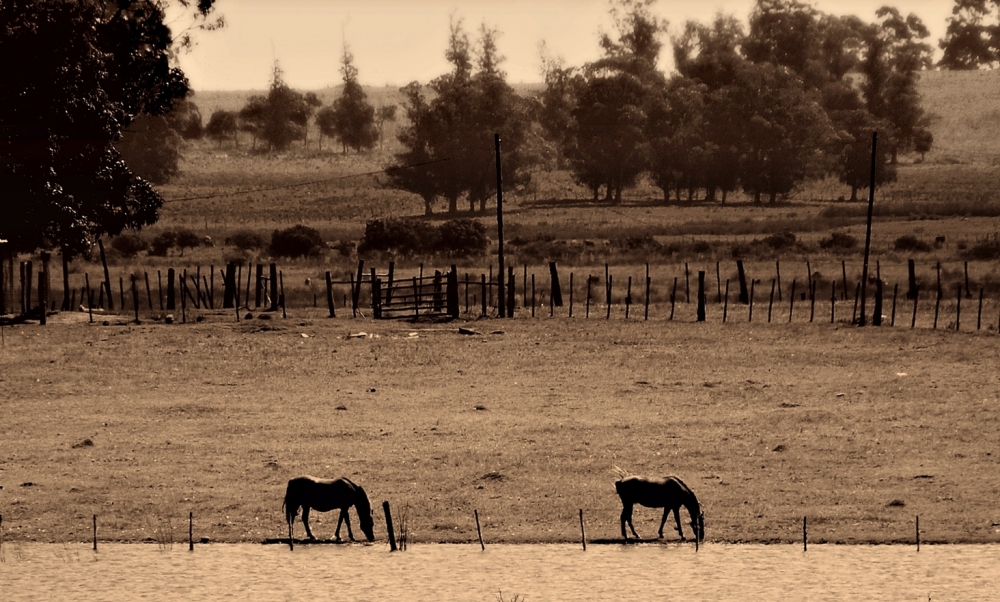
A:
[666,195]
[724,193]
[428,209]
[452,204]
[756,197]
[854,193]
[773,197]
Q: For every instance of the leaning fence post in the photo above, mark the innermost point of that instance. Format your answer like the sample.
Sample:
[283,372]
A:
[645,314]
[805,539]
[388,526]
[918,532]
[791,301]
[673,298]
[770,301]
[95,532]
[479,530]
[753,284]
[701,295]
[916,296]
[979,317]
[583,532]
[725,306]
[190,531]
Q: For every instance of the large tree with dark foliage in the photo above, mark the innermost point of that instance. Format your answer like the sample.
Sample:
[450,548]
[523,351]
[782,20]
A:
[280,117]
[94,67]
[353,118]
[449,139]
[973,36]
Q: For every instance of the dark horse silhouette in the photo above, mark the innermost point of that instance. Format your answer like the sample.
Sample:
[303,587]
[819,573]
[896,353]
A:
[324,495]
[669,493]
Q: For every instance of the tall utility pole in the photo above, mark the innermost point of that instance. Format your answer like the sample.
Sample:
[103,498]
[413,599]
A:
[501,275]
[868,231]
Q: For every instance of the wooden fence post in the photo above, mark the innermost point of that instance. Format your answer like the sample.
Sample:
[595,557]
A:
[329,295]
[482,298]
[777,276]
[645,315]
[583,532]
[452,292]
[258,285]
[479,530]
[911,291]
[556,290]
[571,294]
[791,301]
[916,296]
[388,526]
[274,285]
[895,292]
[877,317]
[979,316]
[770,301]
[628,296]
[388,286]
[171,293]
[744,294]
[687,283]
[718,281]
[673,298]
[590,280]
[753,283]
[107,274]
[843,270]
[135,298]
[725,306]
[609,286]
[833,300]
[229,288]
[436,296]
[121,293]
[511,291]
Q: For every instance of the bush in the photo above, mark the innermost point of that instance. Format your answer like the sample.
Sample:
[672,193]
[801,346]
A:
[129,245]
[838,240]
[162,243]
[297,241]
[186,239]
[406,236]
[463,237]
[780,240]
[985,250]
[909,242]
[246,240]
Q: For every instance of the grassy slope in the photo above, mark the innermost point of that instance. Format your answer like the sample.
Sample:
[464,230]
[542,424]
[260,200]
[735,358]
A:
[780,422]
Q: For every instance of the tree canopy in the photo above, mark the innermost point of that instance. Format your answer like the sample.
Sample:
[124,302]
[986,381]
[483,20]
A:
[972,39]
[95,66]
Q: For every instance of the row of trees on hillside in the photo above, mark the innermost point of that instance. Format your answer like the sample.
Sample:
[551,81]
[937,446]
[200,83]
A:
[282,116]
[797,95]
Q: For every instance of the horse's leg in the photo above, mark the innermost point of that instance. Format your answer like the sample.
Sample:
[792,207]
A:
[347,520]
[663,521]
[626,517]
[340,520]
[305,521]
[677,518]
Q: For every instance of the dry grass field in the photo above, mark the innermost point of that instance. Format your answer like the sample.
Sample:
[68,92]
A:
[859,430]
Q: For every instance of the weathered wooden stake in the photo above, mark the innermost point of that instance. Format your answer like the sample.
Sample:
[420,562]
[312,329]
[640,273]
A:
[590,279]
[753,285]
[673,298]
[149,292]
[833,300]
[911,290]
[628,296]
[777,276]
[135,299]
[857,296]
[571,294]
[190,531]
[687,283]
[90,298]
[805,537]
[916,297]
[725,306]
[388,526]
[479,530]
[583,532]
[812,299]
[95,532]
[608,304]
[171,292]
[877,312]
[979,316]
[718,281]
[107,274]
[744,294]
[937,307]
[918,532]
[645,297]
[329,295]
[791,301]
[843,269]
[770,301]
[532,295]
[958,310]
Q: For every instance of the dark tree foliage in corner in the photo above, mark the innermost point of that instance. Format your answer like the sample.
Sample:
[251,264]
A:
[94,67]
[151,148]
[973,36]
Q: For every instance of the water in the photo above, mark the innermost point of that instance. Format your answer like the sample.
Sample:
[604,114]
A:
[533,572]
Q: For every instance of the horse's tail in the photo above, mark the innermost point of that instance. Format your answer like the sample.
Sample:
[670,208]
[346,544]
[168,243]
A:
[290,505]
[621,473]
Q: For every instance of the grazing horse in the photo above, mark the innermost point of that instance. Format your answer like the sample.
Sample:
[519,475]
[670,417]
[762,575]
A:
[669,493]
[324,495]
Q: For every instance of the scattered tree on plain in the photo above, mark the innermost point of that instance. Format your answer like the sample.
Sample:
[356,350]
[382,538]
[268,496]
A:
[222,126]
[352,119]
[280,117]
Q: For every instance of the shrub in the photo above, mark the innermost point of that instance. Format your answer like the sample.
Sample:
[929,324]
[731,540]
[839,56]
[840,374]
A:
[985,250]
[838,240]
[245,240]
[909,242]
[780,240]
[129,245]
[297,241]
[407,236]
[186,239]
[463,236]
[162,243]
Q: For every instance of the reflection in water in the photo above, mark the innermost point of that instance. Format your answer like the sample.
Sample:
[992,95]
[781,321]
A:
[535,572]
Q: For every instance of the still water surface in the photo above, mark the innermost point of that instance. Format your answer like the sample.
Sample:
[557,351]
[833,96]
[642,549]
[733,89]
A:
[533,572]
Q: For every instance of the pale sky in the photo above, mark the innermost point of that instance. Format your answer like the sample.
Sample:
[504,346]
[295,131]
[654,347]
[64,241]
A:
[397,41]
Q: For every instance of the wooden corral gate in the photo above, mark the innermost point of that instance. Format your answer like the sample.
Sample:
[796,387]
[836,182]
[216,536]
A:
[416,297]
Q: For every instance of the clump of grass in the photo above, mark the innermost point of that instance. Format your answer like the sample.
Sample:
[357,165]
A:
[897,503]
[985,250]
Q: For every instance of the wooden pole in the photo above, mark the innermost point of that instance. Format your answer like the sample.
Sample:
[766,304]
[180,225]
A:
[918,532]
[628,296]
[877,312]
[483,301]
[911,291]
[610,285]
[979,316]
[812,299]
[687,283]
[43,288]
[171,292]
[66,304]
[833,300]
[937,307]
[868,230]
[777,276]
[718,281]
[857,295]
[725,306]
[590,279]
[805,538]
[916,296]
[753,284]
[673,298]
[479,530]
[149,292]
[273,272]
[95,532]
[645,313]
[121,293]
[502,297]
[135,298]
[843,270]
[532,295]
[281,293]
[190,531]
[571,294]
[583,532]
[388,526]
[159,287]
[107,274]
[329,295]
[791,301]
[90,298]
[770,301]
[744,294]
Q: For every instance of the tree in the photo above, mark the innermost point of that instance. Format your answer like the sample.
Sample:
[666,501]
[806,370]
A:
[973,36]
[383,115]
[280,117]
[449,140]
[894,56]
[780,126]
[94,67]
[785,33]
[611,113]
[557,103]
[353,116]
[222,125]
[710,54]
[185,119]
[150,147]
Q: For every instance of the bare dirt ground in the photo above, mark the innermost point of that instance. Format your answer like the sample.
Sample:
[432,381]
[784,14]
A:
[860,430]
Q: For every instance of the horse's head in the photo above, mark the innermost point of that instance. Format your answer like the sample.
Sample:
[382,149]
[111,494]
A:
[364,508]
[698,526]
